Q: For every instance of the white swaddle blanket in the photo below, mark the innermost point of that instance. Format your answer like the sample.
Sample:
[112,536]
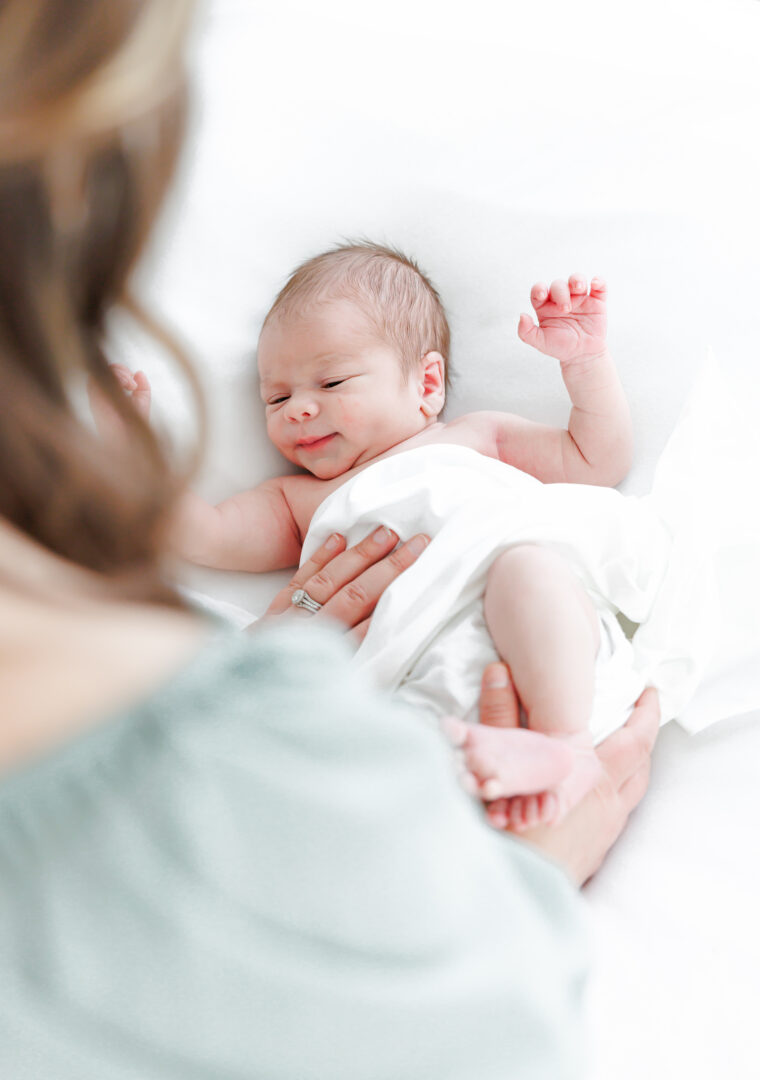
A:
[682,563]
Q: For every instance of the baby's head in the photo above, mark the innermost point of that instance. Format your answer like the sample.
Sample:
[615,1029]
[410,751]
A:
[352,358]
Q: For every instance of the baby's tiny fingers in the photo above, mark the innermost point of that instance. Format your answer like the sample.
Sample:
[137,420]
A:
[124,376]
[598,287]
[577,285]
[538,294]
[560,294]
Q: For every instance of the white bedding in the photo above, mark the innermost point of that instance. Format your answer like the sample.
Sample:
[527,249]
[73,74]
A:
[501,144]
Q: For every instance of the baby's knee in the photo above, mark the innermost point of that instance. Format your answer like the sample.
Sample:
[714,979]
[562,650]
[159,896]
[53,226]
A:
[520,563]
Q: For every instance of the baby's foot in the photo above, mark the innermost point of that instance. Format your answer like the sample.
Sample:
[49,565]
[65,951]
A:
[524,812]
[551,774]
[500,761]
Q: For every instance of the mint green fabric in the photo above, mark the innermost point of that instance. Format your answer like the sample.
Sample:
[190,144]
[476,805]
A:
[268,872]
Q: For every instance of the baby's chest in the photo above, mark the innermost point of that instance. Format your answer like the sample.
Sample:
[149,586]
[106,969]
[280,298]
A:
[304,494]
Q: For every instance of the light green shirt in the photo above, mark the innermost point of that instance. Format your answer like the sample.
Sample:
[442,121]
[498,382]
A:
[267,871]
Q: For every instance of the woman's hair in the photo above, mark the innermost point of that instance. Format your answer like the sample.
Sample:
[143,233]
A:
[92,109]
[399,300]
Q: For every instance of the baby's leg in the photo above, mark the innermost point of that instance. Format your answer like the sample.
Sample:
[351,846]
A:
[545,628]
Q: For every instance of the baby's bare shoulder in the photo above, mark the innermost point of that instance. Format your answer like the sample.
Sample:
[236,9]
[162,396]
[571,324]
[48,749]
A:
[476,430]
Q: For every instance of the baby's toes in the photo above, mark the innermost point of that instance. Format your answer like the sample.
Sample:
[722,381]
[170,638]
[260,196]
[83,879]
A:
[548,808]
[479,760]
[497,813]
[531,811]
[517,812]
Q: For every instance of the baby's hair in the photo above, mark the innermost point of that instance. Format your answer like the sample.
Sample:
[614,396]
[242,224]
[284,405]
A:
[396,296]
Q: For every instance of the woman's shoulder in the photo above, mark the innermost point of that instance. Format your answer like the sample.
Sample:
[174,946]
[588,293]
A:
[228,692]
[257,824]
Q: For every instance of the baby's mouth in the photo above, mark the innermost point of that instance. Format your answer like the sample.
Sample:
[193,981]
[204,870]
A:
[316,443]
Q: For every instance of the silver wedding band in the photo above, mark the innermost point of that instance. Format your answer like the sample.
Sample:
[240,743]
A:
[300,598]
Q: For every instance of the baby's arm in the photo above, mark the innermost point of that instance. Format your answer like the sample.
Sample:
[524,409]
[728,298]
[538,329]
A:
[597,445]
[254,530]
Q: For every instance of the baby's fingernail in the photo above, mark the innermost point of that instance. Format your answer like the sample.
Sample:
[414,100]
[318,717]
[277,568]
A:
[417,545]
[495,677]
[382,535]
[333,541]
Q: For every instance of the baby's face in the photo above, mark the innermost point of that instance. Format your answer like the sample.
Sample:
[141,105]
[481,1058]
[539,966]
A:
[335,394]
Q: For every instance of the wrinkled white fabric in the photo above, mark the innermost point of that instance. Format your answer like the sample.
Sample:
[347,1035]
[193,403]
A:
[666,561]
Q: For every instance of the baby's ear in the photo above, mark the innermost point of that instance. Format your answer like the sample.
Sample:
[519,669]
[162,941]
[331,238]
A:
[432,384]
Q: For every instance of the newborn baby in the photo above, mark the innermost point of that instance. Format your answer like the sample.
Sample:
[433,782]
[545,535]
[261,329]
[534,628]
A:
[353,369]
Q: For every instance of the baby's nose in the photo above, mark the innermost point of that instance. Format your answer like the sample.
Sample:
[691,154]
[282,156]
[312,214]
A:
[302,407]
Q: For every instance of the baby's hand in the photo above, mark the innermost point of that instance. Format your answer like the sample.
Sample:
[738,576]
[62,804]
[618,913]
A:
[137,386]
[107,420]
[572,324]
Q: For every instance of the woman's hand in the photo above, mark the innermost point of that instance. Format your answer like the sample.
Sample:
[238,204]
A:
[581,841]
[347,583]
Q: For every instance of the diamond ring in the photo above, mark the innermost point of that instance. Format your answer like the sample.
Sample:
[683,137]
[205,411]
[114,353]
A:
[300,598]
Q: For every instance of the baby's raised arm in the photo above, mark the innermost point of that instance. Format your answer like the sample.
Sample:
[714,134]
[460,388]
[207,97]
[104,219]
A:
[596,446]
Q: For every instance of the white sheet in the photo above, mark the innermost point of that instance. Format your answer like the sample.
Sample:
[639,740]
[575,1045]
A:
[501,144]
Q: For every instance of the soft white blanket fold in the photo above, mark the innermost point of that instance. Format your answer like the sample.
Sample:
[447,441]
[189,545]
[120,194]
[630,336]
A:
[683,563]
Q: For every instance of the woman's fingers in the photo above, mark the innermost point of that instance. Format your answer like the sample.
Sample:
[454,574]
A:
[499,704]
[332,547]
[633,790]
[349,582]
[356,598]
[348,567]
[625,751]
[586,835]
[359,632]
